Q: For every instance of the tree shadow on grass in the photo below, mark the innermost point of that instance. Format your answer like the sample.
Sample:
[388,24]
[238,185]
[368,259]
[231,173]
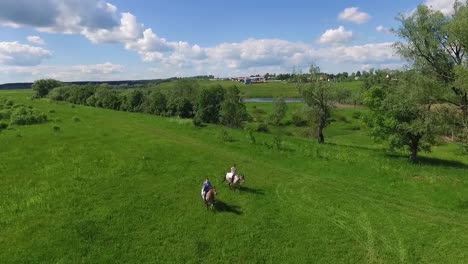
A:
[431,161]
[223,207]
[421,160]
[252,190]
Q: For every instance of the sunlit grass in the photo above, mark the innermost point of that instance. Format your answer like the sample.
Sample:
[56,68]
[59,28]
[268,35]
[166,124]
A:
[117,187]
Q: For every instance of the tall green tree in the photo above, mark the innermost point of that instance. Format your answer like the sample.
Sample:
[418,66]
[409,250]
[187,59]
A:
[44,86]
[436,45]
[318,96]
[402,113]
[208,104]
[132,100]
[181,98]
[155,103]
[233,111]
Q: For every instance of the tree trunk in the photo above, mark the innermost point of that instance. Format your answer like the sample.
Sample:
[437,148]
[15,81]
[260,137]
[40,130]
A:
[464,106]
[321,138]
[414,149]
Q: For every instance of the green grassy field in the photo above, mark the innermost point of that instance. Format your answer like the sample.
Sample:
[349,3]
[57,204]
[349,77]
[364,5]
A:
[264,90]
[117,187]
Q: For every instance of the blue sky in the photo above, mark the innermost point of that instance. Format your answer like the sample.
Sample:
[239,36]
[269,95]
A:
[117,39]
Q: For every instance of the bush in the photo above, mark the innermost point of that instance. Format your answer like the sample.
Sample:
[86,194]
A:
[79,93]
[298,119]
[357,115]
[3,125]
[262,127]
[279,111]
[76,119]
[233,112]
[224,136]
[5,114]
[56,128]
[208,104]
[106,98]
[277,142]
[197,121]
[25,116]
[43,87]
[51,111]
[251,137]
[91,101]
[343,119]
[132,100]
[155,103]
[181,99]
[59,93]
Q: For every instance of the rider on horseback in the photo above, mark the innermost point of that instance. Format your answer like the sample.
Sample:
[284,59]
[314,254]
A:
[206,187]
[233,172]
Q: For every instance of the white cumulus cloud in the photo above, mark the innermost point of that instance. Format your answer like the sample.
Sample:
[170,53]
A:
[15,53]
[90,72]
[100,22]
[336,36]
[352,14]
[382,29]
[444,6]
[36,40]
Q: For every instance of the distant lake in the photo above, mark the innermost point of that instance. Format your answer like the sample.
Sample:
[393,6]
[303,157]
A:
[270,100]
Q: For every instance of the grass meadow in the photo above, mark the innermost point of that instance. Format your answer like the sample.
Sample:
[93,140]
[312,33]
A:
[117,187]
[264,90]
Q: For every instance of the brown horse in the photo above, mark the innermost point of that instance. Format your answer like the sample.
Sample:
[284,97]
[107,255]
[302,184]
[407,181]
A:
[210,196]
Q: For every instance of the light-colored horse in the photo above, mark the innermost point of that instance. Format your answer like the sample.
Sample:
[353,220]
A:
[210,196]
[238,180]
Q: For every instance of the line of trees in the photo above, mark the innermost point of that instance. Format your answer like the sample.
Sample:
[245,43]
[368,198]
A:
[216,104]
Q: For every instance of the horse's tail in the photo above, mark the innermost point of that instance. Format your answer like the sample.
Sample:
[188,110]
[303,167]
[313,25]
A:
[224,178]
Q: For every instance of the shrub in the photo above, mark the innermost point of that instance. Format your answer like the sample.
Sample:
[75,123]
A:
[224,136]
[208,104]
[25,116]
[60,93]
[51,111]
[76,119]
[3,125]
[232,112]
[91,101]
[132,100]
[181,99]
[343,119]
[197,121]
[79,93]
[155,103]
[279,111]
[262,127]
[251,137]
[5,114]
[298,119]
[277,142]
[257,114]
[107,98]
[56,128]
[44,86]
[357,115]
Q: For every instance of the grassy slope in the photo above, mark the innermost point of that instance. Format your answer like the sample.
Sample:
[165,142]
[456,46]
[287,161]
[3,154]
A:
[264,90]
[122,187]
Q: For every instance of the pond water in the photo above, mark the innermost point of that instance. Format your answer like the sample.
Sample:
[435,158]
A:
[270,100]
